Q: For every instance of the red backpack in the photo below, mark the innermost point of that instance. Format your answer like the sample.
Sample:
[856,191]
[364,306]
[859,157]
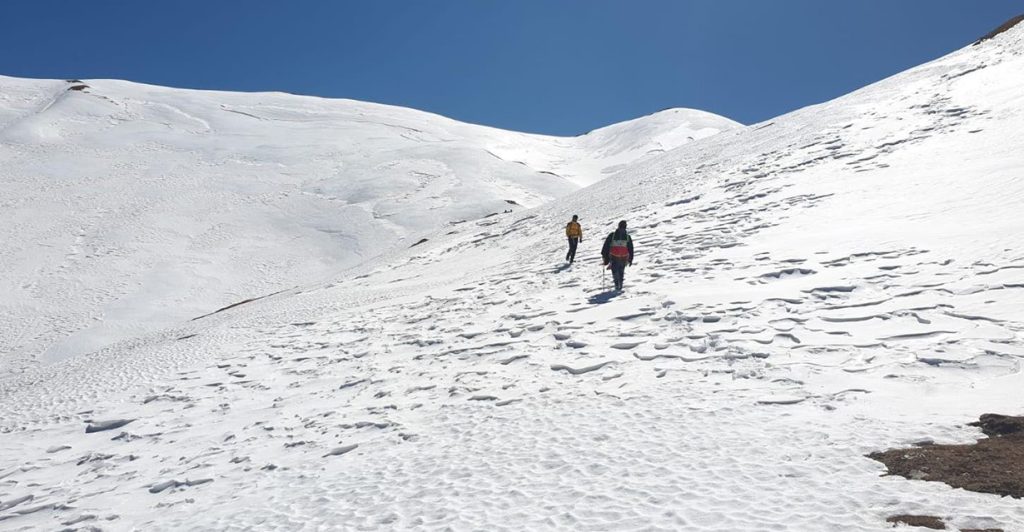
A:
[619,248]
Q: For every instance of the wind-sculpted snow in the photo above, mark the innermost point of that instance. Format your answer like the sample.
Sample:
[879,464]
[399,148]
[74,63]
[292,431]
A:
[788,313]
[127,208]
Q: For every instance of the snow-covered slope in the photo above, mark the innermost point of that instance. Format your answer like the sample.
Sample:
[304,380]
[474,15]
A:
[127,207]
[589,158]
[842,279]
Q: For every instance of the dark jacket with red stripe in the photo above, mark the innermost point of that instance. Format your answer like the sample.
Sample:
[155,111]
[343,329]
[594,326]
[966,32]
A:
[618,246]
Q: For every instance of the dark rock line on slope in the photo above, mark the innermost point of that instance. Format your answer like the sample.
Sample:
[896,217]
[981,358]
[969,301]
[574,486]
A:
[240,303]
[1006,26]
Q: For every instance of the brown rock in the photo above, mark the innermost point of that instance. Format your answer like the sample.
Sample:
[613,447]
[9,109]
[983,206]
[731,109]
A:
[926,521]
[999,425]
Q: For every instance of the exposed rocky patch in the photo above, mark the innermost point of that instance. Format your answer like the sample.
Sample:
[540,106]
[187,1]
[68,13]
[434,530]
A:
[998,425]
[1006,26]
[925,521]
[992,465]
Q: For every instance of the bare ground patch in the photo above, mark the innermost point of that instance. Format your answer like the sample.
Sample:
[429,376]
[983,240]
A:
[932,522]
[991,465]
[925,521]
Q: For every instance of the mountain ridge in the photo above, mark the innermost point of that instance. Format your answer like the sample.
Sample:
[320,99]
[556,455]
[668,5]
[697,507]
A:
[132,206]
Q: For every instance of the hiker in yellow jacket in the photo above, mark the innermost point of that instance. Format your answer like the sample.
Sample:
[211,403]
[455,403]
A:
[575,234]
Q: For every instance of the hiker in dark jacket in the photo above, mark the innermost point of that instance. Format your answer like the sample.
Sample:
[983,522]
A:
[574,233]
[618,253]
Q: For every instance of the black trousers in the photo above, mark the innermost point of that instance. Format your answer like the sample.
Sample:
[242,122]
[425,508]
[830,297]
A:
[573,242]
[618,272]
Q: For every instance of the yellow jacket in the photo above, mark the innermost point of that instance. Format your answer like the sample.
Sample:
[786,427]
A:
[573,230]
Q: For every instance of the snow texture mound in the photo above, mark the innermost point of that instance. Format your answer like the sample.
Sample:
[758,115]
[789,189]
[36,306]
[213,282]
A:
[127,208]
[843,279]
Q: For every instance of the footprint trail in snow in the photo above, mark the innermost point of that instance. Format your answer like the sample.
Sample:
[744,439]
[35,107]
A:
[805,292]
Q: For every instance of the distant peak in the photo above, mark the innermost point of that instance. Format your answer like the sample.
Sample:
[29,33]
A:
[669,117]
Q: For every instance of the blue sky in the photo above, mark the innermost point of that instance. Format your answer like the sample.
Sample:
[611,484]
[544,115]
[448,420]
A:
[547,66]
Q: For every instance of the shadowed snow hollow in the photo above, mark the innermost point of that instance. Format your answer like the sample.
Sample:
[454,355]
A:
[129,207]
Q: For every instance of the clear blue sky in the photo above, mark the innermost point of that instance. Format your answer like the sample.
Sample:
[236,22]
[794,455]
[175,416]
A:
[549,66]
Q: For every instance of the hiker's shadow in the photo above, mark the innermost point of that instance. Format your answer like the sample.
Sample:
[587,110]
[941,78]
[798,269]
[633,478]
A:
[603,297]
[562,267]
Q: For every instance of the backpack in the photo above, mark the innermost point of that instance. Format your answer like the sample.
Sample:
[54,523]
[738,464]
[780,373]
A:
[619,248]
[573,229]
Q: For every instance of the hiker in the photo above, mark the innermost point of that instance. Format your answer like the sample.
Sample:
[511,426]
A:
[618,253]
[575,234]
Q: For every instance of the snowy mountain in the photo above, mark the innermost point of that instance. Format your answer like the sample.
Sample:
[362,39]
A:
[128,208]
[842,279]
[589,158]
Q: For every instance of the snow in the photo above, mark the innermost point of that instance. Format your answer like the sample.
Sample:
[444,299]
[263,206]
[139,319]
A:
[603,152]
[128,208]
[842,279]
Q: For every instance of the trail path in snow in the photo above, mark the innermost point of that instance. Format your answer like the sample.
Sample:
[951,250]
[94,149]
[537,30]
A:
[544,401]
[538,398]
